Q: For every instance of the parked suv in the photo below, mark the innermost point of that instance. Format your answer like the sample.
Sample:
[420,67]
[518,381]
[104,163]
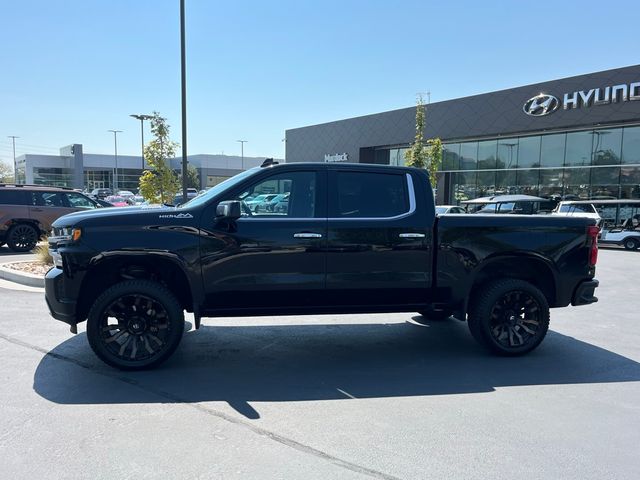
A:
[27,212]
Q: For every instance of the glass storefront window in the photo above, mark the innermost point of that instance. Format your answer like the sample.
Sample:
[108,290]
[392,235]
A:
[487,154]
[552,150]
[464,186]
[527,181]
[468,155]
[529,152]
[506,182]
[451,156]
[486,183]
[507,153]
[630,182]
[551,182]
[631,145]
[396,156]
[605,182]
[578,150]
[607,145]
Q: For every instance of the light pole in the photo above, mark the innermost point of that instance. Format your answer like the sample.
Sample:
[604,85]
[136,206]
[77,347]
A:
[183,82]
[142,117]
[15,168]
[115,145]
[242,142]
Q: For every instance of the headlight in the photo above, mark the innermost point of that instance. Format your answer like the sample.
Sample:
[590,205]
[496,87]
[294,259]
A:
[67,234]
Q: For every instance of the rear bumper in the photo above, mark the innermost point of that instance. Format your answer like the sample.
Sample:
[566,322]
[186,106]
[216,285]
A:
[60,306]
[584,294]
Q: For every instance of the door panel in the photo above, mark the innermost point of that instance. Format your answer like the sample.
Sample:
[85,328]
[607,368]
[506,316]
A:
[268,259]
[377,261]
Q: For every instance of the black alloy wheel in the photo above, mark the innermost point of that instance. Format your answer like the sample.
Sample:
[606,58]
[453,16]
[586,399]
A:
[22,237]
[631,243]
[135,325]
[510,317]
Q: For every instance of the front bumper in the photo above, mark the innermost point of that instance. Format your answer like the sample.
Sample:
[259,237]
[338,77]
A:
[584,294]
[62,305]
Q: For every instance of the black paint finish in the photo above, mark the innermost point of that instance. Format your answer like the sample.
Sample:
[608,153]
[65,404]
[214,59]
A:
[258,266]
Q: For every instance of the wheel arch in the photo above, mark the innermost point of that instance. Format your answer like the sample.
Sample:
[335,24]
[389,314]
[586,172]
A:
[107,270]
[529,267]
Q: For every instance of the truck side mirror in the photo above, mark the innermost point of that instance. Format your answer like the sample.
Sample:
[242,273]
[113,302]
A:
[230,209]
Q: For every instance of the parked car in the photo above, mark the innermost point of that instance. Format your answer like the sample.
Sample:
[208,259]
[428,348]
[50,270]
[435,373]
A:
[357,238]
[125,194]
[256,202]
[577,209]
[27,212]
[101,193]
[191,193]
[269,205]
[117,201]
[442,209]
[510,204]
[138,200]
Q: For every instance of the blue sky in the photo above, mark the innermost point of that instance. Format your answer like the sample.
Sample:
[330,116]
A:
[73,69]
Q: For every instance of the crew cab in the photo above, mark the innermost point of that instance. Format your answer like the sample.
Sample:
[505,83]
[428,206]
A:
[354,238]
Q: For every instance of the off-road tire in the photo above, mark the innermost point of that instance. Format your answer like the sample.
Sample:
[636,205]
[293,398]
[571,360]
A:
[160,298]
[510,307]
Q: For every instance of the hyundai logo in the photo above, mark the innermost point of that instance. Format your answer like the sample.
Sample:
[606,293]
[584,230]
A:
[540,105]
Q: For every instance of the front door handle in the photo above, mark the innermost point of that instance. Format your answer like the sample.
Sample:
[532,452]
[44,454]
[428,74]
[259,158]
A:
[307,235]
[412,235]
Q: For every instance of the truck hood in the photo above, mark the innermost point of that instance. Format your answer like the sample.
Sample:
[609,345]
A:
[115,215]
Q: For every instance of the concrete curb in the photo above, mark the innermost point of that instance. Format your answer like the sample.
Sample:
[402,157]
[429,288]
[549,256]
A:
[23,278]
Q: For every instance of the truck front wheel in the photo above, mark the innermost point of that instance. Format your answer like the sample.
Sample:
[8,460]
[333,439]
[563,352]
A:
[135,324]
[509,316]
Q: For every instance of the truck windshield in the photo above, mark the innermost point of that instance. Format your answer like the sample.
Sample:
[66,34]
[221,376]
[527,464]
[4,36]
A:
[219,188]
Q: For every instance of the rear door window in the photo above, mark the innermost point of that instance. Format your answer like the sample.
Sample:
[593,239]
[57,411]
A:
[369,195]
[12,197]
[47,199]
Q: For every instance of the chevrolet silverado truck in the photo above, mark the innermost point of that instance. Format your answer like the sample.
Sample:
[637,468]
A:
[354,238]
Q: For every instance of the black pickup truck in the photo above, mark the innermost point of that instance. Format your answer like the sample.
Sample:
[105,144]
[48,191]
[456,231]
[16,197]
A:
[347,238]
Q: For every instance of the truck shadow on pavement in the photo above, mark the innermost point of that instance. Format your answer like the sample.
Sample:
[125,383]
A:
[243,364]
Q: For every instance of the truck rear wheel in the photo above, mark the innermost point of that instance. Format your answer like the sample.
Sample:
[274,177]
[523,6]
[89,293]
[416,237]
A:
[135,325]
[631,243]
[510,317]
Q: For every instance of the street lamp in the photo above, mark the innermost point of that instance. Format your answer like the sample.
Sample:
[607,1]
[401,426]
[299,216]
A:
[142,117]
[242,142]
[15,168]
[115,144]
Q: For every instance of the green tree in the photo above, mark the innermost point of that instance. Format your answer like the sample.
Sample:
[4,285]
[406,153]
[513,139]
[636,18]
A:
[434,159]
[6,173]
[193,179]
[416,155]
[159,184]
[423,154]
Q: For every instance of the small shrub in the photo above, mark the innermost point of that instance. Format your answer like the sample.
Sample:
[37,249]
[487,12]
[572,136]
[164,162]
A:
[42,253]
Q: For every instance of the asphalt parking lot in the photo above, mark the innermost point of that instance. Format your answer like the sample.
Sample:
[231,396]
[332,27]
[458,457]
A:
[358,396]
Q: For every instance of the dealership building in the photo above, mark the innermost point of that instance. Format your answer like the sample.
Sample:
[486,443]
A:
[573,138]
[76,169]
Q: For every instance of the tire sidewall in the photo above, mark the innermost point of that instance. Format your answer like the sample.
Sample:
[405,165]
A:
[630,244]
[479,319]
[148,288]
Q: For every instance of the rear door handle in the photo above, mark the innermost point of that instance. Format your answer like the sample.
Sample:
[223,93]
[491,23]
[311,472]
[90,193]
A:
[307,235]
[412,235]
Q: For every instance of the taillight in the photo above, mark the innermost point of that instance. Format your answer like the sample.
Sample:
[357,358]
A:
[592,234]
